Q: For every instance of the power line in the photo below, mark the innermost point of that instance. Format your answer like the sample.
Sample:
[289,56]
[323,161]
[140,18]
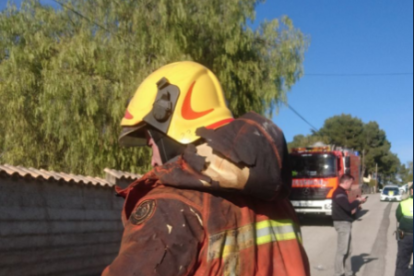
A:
[303,118]
[358,75]
[90,20]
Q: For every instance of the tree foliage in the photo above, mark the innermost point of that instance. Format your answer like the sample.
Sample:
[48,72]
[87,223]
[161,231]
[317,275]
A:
[345,131]
[366,138]
[66,74]
[406,173]
[307,141]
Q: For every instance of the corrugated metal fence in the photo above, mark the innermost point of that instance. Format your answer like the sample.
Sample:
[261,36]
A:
[51,225]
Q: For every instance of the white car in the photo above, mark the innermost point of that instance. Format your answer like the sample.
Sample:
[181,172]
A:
[391,193]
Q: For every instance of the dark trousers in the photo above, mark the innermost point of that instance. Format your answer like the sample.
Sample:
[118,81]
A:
[405,251]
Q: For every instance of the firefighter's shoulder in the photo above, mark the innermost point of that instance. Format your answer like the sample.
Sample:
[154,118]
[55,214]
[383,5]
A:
[166,205]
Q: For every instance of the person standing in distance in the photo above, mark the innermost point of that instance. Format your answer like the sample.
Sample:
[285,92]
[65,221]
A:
[343,213]
[404,215]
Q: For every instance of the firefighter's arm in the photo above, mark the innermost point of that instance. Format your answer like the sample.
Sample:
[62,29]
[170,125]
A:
[161,237]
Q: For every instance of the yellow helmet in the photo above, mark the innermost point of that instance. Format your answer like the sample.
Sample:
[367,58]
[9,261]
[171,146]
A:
[176,99]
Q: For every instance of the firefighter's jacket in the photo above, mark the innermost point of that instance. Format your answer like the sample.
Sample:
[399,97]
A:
[405,215]
[220,209]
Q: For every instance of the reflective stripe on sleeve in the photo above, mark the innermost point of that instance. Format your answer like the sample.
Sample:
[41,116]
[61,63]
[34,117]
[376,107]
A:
[233,241]
[271,231]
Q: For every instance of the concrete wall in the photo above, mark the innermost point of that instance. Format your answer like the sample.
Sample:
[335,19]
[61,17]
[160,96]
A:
[57,228]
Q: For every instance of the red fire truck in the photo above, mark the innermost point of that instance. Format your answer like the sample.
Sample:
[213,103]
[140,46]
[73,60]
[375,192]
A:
[316,173]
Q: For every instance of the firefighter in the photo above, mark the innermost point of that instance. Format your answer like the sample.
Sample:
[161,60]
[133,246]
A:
[404,215]
[216,201]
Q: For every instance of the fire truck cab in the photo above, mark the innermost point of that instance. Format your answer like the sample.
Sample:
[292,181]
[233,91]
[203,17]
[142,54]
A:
[316,173]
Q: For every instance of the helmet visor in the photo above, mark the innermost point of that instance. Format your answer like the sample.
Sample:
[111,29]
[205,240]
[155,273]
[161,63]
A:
[133,136]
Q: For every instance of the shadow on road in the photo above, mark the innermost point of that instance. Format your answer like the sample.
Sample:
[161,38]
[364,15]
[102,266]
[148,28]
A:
[313,220]
[359,261]
[361,214]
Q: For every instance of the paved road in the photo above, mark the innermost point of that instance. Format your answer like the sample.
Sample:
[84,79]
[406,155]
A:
[374,244]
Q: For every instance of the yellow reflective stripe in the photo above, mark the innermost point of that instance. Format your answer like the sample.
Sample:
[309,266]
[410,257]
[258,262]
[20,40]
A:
[230,242]
[275,237]
[228,249]
[274,223]
[271,231]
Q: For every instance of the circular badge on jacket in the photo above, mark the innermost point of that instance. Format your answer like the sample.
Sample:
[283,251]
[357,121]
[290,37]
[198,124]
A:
[143,212]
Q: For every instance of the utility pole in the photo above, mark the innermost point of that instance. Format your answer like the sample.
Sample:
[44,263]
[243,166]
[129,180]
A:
[363,162]
[376,177]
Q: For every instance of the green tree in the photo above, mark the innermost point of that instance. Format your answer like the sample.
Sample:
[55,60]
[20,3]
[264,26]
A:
[307,141]
[367,138]
[66,74]
[388,167]
[376,150]
[344,130]
[406,173]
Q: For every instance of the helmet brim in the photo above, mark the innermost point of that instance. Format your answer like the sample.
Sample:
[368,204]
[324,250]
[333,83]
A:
[133,136]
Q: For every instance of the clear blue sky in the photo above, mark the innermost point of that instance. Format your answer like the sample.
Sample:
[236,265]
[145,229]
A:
[350,37]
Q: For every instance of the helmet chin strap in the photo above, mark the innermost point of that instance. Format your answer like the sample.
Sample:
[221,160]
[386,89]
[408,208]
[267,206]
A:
[167,147]
[165,155]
